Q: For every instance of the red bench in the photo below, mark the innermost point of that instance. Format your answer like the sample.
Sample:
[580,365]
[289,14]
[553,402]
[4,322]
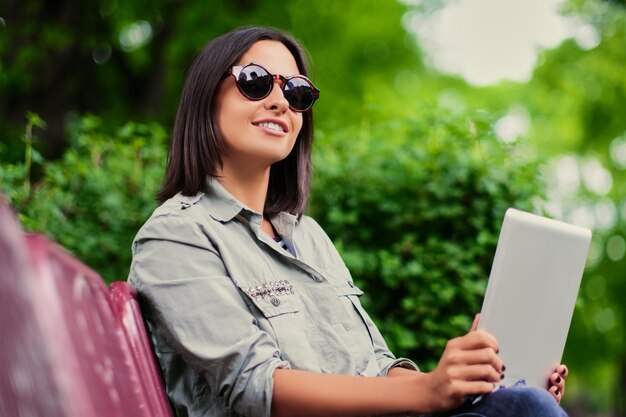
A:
[69,346]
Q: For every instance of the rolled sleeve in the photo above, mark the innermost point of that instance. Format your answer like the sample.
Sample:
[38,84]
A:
[201,313]
[400,363]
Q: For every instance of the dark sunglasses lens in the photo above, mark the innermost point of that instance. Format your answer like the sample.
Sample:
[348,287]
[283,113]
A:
[255,82]
[299,93]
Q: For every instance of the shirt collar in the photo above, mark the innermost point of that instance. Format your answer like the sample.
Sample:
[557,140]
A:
[225,207]
[284,223]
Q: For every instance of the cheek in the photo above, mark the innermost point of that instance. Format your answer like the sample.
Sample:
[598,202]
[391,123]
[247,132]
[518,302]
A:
[226,112]
[231,118]
[297,123]
[224,127]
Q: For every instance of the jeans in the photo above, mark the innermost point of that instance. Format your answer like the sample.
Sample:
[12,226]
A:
[518,400]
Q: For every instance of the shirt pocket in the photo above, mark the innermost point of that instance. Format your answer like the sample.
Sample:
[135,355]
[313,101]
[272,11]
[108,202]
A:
[274,297]
[282,307]
[356,323]
[348,289]
[349,295]
[345,288]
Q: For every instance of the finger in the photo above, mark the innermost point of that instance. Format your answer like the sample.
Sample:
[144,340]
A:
[475,387]
[556,393]
[481,372]
[477,339]
[475,323]
[481,356]
[557,381]
[562,370]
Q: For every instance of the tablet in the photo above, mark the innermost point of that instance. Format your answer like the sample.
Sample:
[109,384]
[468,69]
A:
[532,289]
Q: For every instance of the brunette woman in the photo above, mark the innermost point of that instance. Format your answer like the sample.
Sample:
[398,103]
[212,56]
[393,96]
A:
[251,309]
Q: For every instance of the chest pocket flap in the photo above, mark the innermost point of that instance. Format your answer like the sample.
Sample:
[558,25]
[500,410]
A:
[348,289]
[274,298]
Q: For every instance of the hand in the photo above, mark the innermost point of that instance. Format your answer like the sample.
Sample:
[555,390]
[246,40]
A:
[470,365]
[556,383]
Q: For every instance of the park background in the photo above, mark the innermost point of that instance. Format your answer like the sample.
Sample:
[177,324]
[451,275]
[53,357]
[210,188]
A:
[415,160]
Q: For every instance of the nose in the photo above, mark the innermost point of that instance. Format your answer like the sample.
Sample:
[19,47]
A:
[276,99]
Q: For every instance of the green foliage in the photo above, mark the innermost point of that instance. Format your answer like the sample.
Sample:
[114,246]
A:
[94,199]
[416,210]
[117,58]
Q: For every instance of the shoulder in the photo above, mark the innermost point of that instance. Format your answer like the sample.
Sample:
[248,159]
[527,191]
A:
[308,227]
[178,206]
[311,236]
[179,217]
[309,223]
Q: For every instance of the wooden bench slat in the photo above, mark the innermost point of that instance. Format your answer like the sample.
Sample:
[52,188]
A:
[71,347]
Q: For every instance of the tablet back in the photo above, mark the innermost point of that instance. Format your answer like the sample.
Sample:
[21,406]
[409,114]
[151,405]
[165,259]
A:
[531,293]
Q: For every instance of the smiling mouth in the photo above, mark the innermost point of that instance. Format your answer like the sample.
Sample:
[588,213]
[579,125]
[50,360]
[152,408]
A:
[271,126]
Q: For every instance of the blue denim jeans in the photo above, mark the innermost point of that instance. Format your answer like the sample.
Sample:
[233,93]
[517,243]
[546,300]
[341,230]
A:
[518,400]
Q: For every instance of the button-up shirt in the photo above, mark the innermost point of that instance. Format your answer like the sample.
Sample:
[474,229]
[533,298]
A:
[227,305]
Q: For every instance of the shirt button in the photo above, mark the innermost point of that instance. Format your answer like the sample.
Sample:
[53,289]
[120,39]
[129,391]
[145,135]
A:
[275,301]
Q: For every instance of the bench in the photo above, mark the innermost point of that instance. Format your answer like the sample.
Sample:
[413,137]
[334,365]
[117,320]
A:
[69,345]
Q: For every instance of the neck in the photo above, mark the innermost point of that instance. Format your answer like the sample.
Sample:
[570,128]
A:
[247,186]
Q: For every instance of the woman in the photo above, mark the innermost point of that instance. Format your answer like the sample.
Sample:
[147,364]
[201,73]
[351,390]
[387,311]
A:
[251,308]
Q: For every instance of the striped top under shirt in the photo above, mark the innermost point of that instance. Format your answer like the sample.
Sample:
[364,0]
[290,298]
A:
[284,245]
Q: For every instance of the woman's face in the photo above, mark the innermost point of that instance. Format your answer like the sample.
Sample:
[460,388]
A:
[243,123]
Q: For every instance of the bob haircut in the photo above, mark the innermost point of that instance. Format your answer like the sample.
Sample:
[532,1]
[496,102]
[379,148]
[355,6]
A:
[196,147]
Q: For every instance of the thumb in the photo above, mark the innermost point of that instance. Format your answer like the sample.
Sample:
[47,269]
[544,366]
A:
[475,323]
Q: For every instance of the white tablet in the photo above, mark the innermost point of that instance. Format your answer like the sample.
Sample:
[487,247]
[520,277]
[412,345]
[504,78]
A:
[531,293]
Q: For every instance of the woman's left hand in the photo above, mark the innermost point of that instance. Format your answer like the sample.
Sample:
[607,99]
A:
[557,382]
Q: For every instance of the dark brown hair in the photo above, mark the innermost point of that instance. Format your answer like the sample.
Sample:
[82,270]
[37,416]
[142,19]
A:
[196,146]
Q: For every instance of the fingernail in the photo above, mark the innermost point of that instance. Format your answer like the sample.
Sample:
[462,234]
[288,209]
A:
[503,368]
[557,380]
[501,376]
[556,392]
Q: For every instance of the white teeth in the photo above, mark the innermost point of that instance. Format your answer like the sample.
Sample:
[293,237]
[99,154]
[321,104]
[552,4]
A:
[271,125]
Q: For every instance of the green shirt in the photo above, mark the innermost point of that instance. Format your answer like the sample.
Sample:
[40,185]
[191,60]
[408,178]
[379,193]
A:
[227,305]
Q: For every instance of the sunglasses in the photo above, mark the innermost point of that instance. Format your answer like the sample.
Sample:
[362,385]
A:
[256,83]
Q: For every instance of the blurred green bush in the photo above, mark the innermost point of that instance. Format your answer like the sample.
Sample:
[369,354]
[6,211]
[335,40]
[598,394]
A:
[94,199]
[414,206]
